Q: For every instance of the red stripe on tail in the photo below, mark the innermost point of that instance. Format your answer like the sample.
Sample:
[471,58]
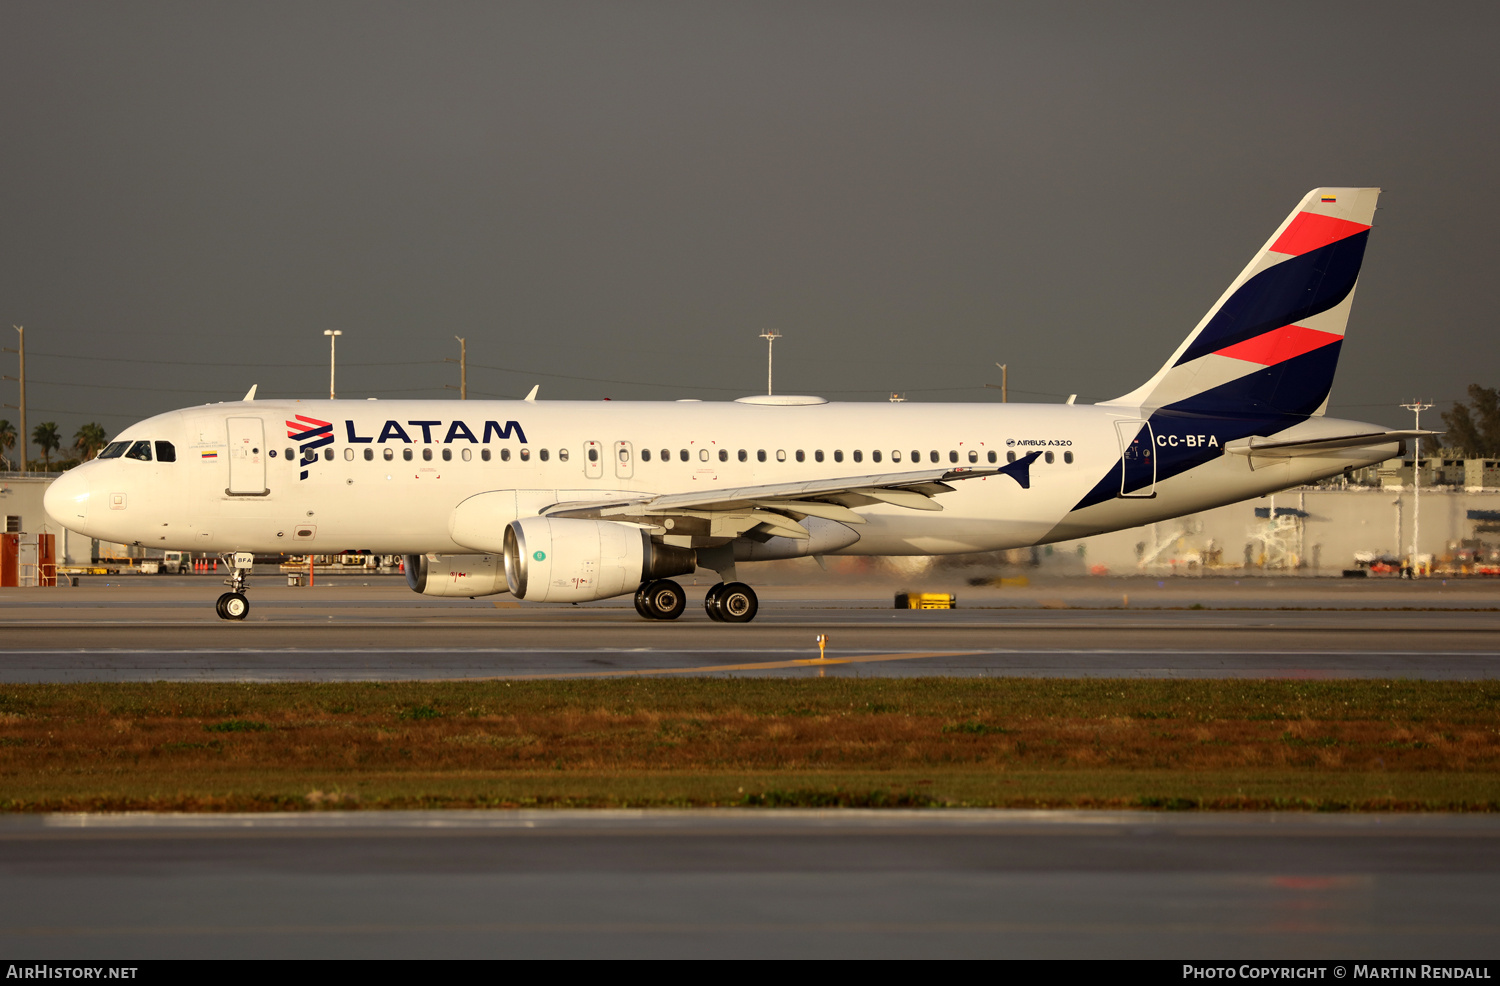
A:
[1309,231]
[1280,345]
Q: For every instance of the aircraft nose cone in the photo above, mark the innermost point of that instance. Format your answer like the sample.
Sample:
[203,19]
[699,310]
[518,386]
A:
[67,499]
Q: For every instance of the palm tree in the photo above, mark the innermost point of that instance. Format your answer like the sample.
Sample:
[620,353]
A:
[90,439]
[47,439]
[7,440]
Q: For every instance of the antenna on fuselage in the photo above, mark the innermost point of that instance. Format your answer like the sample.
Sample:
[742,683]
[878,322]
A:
[531,397]
[250,394]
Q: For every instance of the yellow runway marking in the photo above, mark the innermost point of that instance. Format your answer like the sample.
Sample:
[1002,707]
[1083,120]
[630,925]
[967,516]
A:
[763,666]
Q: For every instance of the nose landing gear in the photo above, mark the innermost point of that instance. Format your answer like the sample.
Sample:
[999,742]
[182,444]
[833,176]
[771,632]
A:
[234,605]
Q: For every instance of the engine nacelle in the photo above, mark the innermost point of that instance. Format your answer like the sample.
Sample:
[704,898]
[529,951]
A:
[558,560]
[456,575]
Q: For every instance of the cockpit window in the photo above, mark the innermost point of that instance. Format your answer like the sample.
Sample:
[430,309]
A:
[165,452]
[139,450]
[114,450]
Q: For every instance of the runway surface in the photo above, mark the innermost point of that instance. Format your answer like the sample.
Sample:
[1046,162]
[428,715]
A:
[145,629]
[750,884]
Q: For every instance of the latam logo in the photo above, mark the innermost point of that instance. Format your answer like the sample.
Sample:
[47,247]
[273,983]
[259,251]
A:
[457,431]
[312,434]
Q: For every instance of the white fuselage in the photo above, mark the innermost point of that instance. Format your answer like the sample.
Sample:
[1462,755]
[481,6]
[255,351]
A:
[387,476]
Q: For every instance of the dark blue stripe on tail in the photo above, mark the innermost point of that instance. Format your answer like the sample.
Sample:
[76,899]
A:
[1284,295]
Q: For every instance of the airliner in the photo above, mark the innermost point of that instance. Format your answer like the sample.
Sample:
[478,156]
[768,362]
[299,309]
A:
[570,501]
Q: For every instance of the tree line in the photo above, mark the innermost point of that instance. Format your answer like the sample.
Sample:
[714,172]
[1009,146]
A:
[87,442]
[1475,427]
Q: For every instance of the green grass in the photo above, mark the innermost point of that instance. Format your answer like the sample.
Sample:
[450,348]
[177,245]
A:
[839,742]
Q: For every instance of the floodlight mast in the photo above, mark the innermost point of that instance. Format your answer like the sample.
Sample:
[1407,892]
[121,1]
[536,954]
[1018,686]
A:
[20,351]
[1416,407]
[332,335]
[770,335]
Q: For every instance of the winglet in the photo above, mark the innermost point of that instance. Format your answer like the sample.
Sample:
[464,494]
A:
[1020,470]
[531,397]
[250,394]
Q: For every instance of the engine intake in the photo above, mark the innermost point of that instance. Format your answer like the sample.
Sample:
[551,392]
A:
[455,575]
[558,560]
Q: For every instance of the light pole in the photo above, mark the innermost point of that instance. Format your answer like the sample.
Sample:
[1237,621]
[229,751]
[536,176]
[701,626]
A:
[333,335]
[770,335]
[22,438]
[1416,407]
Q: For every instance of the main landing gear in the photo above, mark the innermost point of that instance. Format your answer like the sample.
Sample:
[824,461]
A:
[731,602]
[660,600]
[234,605]
[727,602]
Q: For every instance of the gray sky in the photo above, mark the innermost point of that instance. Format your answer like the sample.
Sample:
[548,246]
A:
[613,199]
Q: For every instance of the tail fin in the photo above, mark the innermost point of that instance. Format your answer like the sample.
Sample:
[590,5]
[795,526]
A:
[1270,345]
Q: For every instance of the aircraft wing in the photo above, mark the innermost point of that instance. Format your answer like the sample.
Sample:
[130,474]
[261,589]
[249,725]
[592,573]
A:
[1320,446]
[777,507]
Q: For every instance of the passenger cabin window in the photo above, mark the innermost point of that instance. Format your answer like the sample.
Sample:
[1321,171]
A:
[526,455]
[838,455]
[484,454]
[645,455]
[818,455]
[562,455]
[935,456]
[744,456]
[113,450]
[953,456]
[801,456]
[369,455]
[468,454]
[406,454]
[427,455]
[992,456]
[348,455]
[666,455]
[389,454]
[760,455]
[593,455]
[895,455]
[504,454]
[1068,457]
[684,455]
[165,452]
[781,455]
[858,456]
[875,456]
[703,455]
[448,455]
[1049,458]
[1010,457]
[292,454]
[723,455]
[139,450]
[328,454]
[973,456]
[543,454]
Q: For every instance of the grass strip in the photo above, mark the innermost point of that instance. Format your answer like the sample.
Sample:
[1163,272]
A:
[926,742]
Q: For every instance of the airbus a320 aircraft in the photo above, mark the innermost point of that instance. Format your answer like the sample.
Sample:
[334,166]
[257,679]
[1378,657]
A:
[570,501]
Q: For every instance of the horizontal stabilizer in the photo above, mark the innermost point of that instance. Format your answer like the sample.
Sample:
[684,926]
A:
[1320,446]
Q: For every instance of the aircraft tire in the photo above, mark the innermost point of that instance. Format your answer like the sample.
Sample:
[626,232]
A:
[711,603]
[219,606]
[640,601]
[737,603]
[236,606]
[665,600]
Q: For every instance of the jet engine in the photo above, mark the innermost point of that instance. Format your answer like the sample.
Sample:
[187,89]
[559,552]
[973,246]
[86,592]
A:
[558,560]
[456,575]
